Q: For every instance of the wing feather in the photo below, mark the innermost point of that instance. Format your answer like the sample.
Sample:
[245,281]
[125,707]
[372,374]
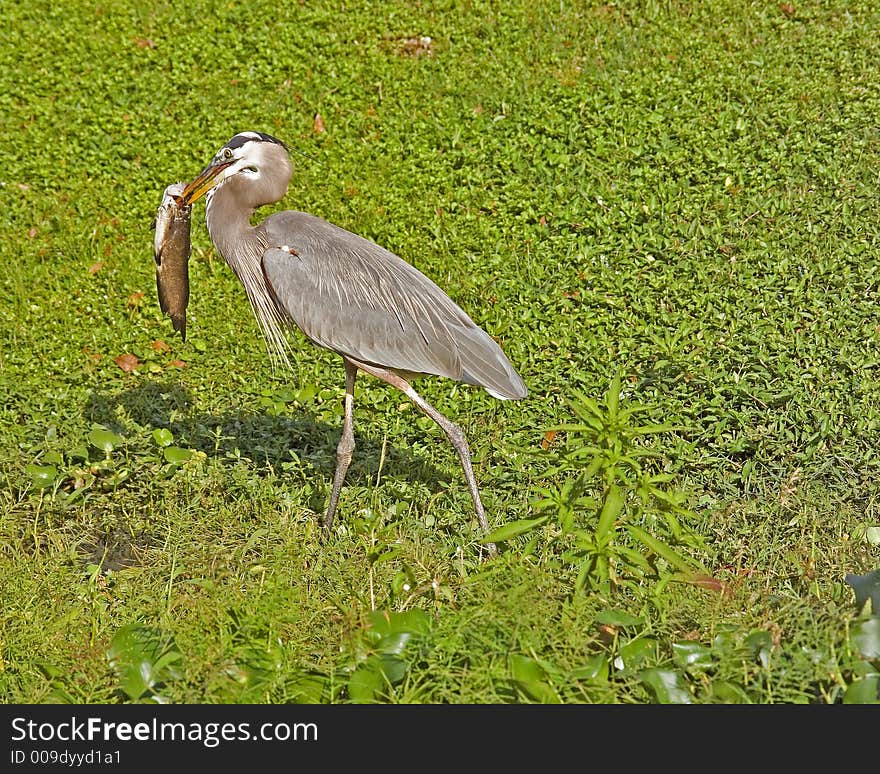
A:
[352,296]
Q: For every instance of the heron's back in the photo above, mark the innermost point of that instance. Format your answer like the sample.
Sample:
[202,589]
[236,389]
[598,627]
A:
[352,296]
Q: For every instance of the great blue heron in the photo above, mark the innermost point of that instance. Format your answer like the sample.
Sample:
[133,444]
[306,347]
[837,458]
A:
[346,293]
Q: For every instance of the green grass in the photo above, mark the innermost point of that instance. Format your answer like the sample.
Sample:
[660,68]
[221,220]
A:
[683,194]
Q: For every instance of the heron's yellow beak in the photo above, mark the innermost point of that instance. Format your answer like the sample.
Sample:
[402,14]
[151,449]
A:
[206,180]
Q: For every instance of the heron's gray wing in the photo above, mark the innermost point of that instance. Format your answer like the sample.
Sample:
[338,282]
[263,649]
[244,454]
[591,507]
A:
[352,296]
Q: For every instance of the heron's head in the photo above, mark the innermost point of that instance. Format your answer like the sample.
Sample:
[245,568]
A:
[258,157]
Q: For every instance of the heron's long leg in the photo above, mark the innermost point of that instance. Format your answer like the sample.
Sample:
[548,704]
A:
[453,432]
[346,444]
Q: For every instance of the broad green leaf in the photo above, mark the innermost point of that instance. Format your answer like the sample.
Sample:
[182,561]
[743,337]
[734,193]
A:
[725,692]
[163,437]
[387,622]
[861,668]
[692,655]
[394,643]
[78,453]
[526,668]
[142,658]
[635,652]
[42,476]
[617,618]
[512,529]
[726,640]
[595,669]
[669,687]
[865,637]
[760,645]
[393,668]
[307,393]
[105,440]
[864,690]
[401,581]
[307,688]
[286,394]
[531,678]
[365,682]
[48,669]
[385,556]
[175,455]
[118,477]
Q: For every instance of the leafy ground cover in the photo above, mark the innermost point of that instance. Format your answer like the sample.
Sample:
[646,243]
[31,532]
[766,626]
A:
[666,214]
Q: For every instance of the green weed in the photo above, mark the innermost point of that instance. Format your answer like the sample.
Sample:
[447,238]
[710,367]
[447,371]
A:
[607,493]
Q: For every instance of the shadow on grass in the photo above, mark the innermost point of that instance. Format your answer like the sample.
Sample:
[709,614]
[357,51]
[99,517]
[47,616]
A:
[264,438]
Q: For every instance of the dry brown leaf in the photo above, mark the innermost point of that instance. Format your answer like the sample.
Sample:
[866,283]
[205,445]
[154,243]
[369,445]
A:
[548,439]
[96,267]
[32,232]
[127,362]
[318,126]
[144,43]
[710,583]
[178,364]
[160,346]
[135,299]
[787,8]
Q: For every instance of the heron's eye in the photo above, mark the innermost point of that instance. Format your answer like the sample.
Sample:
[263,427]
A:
[227,154]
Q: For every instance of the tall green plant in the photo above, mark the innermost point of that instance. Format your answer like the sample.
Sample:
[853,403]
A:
[616,519]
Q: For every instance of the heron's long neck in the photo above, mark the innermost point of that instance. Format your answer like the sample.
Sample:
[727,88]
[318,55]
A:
[242,247]
[230,228]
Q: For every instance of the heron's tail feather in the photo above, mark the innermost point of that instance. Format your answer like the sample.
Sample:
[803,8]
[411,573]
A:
[484,364]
